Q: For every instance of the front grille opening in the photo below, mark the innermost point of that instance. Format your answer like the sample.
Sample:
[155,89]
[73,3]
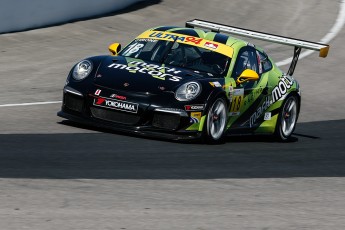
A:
[166,121]
[73,102]
[115,116]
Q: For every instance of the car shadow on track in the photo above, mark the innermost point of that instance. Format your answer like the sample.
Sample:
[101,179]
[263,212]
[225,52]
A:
[114,156]
[243,138]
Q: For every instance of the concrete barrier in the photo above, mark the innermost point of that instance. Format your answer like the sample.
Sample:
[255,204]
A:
[16,15]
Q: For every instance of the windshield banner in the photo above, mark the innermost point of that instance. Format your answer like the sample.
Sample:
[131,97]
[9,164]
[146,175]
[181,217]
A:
[189,40]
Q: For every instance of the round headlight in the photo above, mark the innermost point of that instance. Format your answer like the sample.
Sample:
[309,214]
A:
[188,91]
[82,70]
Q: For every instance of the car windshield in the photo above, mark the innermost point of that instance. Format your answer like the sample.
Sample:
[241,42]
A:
[178,54]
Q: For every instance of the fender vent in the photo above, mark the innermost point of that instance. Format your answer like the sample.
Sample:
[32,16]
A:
[73,102]
[166,121]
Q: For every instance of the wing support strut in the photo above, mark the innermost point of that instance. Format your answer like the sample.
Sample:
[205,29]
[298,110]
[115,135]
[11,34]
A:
[294,61]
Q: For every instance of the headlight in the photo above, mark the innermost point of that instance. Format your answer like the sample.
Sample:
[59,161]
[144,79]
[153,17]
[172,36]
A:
[188,91]
[82,70]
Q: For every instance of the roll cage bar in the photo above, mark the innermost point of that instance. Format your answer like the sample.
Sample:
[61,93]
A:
[298,44]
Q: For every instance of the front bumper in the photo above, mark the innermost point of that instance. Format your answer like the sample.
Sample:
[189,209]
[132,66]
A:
[150,119]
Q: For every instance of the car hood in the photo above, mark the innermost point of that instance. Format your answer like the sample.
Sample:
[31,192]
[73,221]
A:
[142,76]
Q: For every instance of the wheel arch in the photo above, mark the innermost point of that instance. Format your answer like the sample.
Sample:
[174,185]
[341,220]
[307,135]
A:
[216,94]
[212,96]
[277,132]
[297,94]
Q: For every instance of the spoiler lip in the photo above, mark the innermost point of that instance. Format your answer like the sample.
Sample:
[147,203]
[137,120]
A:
[218,27]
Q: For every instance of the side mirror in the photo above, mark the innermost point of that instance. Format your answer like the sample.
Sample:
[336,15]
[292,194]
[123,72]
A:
[247,75]
[114,48]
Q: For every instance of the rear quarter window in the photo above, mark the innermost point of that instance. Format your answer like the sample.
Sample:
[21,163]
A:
[264,62]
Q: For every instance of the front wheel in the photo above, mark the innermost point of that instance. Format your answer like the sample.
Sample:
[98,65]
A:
[216,121]
[287,119]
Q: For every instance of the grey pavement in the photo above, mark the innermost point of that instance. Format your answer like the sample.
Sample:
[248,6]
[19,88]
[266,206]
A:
[58,176]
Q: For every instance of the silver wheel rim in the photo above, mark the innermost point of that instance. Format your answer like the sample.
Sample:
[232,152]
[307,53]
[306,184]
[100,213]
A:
[289,115]
[216,119]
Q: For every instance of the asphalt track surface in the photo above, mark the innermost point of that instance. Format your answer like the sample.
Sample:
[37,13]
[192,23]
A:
[58,175]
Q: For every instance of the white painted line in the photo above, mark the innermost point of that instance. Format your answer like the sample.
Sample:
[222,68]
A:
[32,103]
[338,25]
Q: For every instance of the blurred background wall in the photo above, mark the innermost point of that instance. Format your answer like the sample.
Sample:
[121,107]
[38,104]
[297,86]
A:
[16,15]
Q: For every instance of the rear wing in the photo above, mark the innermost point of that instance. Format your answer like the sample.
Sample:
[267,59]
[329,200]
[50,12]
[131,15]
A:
[296,43]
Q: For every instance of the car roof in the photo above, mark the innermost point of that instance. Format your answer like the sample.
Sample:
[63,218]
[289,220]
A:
[208,35]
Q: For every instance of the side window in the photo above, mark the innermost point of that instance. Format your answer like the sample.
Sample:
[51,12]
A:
[246,59]
[264,62]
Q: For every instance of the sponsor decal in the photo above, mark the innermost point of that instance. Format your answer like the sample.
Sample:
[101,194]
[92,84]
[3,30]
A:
[267,116]
[116,104]
[256,92]
[100,101]
[189,40]
[172,37]
[279,92]
[233,114]
[118,97]
[211,45]
[259,111]
[98,92]
[236,102]
[231,92]
[160,72]
[195,117]
[194,107]
[146,40]
[239,92]
[134,48]
[215,84]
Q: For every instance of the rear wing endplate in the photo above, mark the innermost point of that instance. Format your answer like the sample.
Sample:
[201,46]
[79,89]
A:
[297,43]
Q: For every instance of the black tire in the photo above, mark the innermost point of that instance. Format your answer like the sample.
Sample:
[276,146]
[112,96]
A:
[287,118]
[215,124]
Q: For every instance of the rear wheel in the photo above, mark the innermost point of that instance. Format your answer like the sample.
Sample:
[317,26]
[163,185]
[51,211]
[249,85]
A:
[216,121]
[287,118]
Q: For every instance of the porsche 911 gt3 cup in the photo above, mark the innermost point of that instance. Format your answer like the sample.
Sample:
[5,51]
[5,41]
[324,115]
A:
[189,82]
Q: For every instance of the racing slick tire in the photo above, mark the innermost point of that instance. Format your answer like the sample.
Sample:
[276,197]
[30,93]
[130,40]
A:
[216,120]
[287,118]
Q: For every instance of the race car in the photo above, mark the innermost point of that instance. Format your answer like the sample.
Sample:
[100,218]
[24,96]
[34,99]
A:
[188,82]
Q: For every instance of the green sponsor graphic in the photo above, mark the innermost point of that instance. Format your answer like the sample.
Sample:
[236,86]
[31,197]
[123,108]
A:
[246,102]
[267,126]
[193,127]
[202,122]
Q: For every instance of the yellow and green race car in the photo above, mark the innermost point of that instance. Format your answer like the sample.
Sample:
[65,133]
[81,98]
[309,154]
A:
[188,82]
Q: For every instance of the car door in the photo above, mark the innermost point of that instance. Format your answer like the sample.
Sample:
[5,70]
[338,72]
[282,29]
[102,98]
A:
[243,101]
[248,97]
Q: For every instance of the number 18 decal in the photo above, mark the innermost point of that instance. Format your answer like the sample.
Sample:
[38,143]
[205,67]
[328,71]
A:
[133,48]
[236,104]
[237,101]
